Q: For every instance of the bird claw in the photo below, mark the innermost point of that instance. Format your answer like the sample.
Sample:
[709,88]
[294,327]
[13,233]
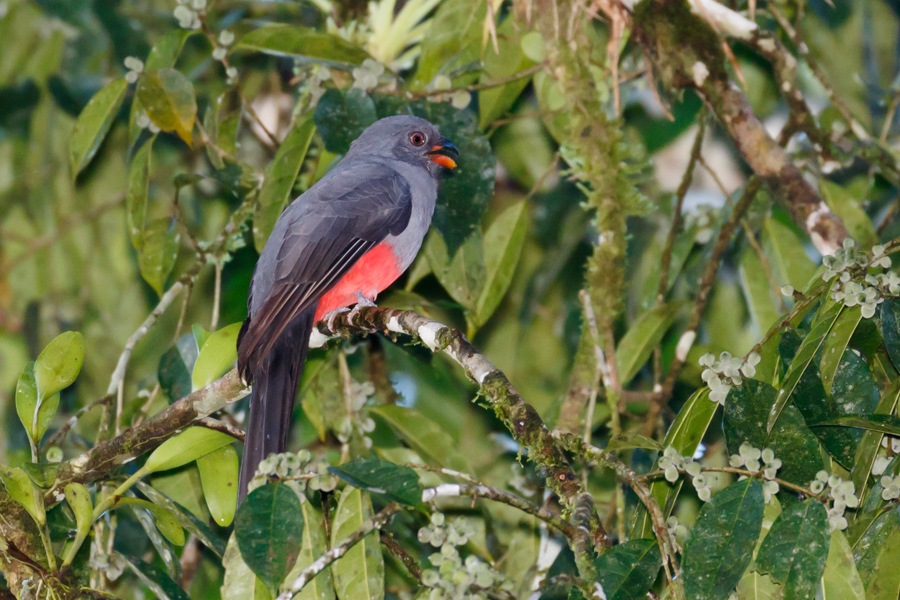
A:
[329,317]
[361,301]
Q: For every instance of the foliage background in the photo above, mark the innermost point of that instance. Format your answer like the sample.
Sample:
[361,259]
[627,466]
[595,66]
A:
[570,177]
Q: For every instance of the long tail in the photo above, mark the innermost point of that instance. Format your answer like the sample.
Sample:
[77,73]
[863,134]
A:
[275,381]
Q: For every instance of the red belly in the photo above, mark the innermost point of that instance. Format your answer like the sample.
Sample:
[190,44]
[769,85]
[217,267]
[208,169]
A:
[371,274]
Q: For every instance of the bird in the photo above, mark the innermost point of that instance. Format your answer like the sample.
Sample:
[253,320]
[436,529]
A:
[341,242]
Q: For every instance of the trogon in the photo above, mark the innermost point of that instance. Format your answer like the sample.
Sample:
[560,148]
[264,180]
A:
[342,242]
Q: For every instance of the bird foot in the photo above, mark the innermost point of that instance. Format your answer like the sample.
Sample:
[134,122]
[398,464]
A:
[361,301]
[329,317]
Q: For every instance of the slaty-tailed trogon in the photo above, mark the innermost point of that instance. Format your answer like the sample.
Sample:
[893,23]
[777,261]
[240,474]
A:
[341,242]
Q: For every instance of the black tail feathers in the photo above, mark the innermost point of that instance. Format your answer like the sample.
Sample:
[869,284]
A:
[275,380]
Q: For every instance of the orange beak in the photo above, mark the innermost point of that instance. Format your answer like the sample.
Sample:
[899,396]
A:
[444,154]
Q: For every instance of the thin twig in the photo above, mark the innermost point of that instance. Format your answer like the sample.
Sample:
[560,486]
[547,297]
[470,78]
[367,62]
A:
[736,471]
[227,428]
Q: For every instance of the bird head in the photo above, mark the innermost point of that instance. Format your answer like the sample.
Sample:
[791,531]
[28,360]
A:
[410,139]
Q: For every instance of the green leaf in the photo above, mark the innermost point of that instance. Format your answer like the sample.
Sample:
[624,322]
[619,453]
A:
[890,328]
[641,338]
[185,518]
[397,483]
[79,499]
[854,392]
[165,521]
[185,447]
[785,252]
[314,46]
[315,544]
[625,441]
[885,424]
[870,443]
[502,243]
[423,435]
[164,549]
[462,275]
[845,203]
[268,528]
[94,123]
[240,583]
[219,477]
[453,45]
[217,355]
[59,363]
[359,574]
[884,581]
[684,435]
[821,325]
[511,59]
[720,544]
[746,410]
[163,55]
[754,586]
[175,367]
[841,580]
[20,489]
[279,179]
[836,342]
[158,251]
[758,291]
[42,475]
[168,98]
[136,195]
[628,570]
[340,117]
[161,585]
[35,418]
[796,548]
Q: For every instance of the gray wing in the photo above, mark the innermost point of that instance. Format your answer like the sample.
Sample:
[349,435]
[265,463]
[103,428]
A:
[316,241]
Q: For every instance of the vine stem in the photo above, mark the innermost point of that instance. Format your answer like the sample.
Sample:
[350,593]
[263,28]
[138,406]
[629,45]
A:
[736,471]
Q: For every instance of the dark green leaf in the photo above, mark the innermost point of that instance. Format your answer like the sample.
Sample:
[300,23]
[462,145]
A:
[746,409]
[340,117]
[159,582]
[627,571]
[822,324]
[93,124]
[890,328]
[42,474]
[315,46]
[175,367]
[641,338]
[462,274]
[398,483]
[886,424]
[720,544]
[185,518]
[279,179]
[168,98]
[159,249]
[870,443]
[136,196]
[359,574]
[268,528]
[854,391]
[884,579]
[796,548]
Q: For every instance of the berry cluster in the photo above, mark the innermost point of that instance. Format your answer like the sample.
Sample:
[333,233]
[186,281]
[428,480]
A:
[727,372]
[842,494]
[300,466]
[188,13]
[859,279]
[365,77]
[672,462]
[455,578]
[748,457]
[459,99]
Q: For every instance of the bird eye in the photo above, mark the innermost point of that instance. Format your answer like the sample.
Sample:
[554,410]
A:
[417,138]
